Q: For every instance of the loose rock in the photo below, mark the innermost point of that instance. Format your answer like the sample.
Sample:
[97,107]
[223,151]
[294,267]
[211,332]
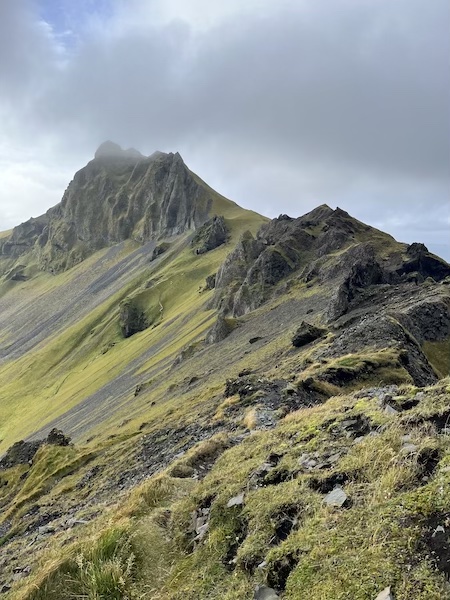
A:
[385,595]
[306,333]
[263,592]
[336,497]
[236,500]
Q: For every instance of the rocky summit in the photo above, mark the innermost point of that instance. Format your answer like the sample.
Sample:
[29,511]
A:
[198,402]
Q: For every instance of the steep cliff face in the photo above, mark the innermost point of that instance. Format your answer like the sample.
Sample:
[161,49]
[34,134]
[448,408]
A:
[119,195]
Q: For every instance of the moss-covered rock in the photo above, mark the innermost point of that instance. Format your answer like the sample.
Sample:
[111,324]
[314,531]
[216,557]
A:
[132,318]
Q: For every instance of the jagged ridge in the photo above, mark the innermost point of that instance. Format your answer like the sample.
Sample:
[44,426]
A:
[119,195]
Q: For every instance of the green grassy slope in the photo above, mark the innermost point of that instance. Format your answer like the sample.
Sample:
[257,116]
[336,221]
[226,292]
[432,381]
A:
[85,353]
[282,532]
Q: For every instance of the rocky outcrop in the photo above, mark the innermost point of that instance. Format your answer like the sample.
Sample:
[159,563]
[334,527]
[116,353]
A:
[428,320]
[420,260]
[22,453]
[132,318]
[306,334]
[210,282]
[57,438]
[281,247]
[23,237]
[326,247]
[221,329]
[210,235]
[159,249]
[119,195]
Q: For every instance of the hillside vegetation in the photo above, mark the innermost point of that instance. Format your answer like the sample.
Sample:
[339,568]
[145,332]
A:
[249,408]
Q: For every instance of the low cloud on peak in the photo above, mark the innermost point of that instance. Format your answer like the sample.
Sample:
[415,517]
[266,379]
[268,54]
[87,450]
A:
[279,105]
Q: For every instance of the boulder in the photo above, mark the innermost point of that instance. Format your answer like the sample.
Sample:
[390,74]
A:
[20,453]
[210,282]
[159,249]
[57,438]
[306,333]
[131,318]
[236,500]
[385,595]
[262,592]
[336,497]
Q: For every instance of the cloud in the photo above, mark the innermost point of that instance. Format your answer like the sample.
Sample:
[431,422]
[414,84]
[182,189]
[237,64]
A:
[279,105]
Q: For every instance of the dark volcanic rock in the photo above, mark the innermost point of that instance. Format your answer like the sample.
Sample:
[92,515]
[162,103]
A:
[211,235]
[159,249]
[357,269]
[57,438]
[210,282]
[428,320]
[132,319]
[20,453]
[420,260]
[324,247]
[377,332]
[23,237]
[306,333]
[285,245]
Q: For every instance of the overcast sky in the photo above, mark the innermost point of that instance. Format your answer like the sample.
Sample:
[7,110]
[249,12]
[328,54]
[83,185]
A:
[280,105]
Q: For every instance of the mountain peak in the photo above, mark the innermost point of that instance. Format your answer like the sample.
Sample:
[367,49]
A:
[110,149]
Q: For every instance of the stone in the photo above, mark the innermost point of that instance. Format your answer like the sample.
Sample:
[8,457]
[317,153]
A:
[409,449]
[75,522]
[210,282]
[20,453]
[159,249]
[385,399]
[307,462]
[389,410]
[131,318]
[335,457]
[385,595]
[57,438]
[201,532]
[46,529]
[21,572]
[236,500]
[336,497]
[439,529]
[262,592]
[306,334]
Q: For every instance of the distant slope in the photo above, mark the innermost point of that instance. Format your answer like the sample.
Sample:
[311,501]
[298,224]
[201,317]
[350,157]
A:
[55,328]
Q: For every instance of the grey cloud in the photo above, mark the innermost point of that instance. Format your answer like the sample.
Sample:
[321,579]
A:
[27,53]
[282,109]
